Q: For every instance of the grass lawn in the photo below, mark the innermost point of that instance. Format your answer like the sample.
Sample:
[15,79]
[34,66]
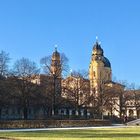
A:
[130,133]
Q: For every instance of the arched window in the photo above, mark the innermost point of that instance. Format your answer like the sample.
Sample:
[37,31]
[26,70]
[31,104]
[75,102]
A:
[94,74]
[131,113]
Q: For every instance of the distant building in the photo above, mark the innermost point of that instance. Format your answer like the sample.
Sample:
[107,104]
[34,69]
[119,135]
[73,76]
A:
[131,103]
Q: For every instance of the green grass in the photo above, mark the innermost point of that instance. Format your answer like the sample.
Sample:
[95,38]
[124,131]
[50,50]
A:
[132,133]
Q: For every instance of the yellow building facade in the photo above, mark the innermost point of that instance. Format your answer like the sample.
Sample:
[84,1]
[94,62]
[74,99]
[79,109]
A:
[99,70]
[105,91]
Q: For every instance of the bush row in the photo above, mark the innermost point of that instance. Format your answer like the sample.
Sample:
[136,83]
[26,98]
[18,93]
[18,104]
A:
[51,123]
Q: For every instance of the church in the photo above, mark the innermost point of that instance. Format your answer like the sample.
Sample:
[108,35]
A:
[102,97]
[78,97]
[101,84]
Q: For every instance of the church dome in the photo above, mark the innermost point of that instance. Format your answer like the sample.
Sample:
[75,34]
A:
[106,62]
[103,59]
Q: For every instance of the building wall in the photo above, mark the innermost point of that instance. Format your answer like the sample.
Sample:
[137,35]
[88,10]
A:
[75,89]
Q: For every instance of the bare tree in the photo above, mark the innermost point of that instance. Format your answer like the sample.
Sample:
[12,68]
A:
[124,97]
[4,60]
[56,69]
[111,98]
[76,89]
[133,99]
[24,77]
[80,74]
[4,89]
[5,93]
[46,63]
[108,99]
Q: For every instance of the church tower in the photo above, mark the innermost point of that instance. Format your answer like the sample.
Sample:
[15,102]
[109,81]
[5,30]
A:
[56,72]
[99,69]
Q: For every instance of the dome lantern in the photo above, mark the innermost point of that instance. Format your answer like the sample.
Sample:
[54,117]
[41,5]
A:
[97,50]
[56,54]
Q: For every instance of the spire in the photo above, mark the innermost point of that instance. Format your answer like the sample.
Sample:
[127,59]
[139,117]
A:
[97,48]
[55,47]
[96,39]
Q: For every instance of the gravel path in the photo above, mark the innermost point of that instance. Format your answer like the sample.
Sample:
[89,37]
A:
[69,128]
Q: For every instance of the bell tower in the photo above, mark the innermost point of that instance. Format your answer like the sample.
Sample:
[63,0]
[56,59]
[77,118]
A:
[99,69]
[56,72]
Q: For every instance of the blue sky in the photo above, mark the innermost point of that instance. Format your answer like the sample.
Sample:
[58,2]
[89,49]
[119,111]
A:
[31,28]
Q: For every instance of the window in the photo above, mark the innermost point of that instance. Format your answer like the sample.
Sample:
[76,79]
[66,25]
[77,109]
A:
[94,74]
[131,113]
[131,103]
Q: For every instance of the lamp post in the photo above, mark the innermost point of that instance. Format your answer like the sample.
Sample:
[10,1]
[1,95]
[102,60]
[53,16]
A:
[54,94]
[101,96]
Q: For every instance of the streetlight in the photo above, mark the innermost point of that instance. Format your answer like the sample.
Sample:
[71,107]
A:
[54,94]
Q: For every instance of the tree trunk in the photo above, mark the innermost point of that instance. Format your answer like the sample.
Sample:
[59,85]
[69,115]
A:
[25,113]
[0,113]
